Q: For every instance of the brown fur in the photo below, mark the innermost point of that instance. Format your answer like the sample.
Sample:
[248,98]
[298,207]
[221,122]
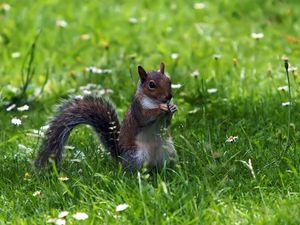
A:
[121,141]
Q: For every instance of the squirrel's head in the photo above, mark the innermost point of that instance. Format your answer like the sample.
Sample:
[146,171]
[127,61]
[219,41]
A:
[155,84]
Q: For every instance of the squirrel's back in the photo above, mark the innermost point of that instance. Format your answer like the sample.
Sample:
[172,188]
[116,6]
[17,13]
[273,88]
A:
[90,110]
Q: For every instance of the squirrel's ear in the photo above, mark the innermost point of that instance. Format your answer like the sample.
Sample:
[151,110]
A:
[142,73]
[162,68]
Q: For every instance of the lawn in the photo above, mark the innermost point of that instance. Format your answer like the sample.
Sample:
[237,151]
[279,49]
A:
[236,130]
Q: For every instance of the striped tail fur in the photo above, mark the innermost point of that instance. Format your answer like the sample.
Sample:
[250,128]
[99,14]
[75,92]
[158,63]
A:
[90,110]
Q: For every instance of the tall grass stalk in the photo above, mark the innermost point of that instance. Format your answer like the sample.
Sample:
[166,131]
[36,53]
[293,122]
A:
[286,66]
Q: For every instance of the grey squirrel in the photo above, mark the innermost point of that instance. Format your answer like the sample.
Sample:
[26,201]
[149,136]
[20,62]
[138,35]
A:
[141,140]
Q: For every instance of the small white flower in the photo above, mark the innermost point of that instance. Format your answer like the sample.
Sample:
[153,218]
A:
[80,216]
[292,69]
[15,55]
[217,56]
[57,221]
[85,37]
[133,20]
[24,149]
[60,222]
[61,23]
[63,178]
[78,97]
[232,139]
[174,56]
[286,104]
[105,91]
[176,86]
[257,36]
[51,220]
[44,128]
[195,74]
[212,90]
[23,108]
[11,107]
[95,70]
[16,121]
[5,7]
[283,88]
[87,92]
[199,6]
[63,214]
[36,193]
[121,207]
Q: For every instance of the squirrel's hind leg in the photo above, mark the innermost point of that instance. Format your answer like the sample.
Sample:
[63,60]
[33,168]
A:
[129,161]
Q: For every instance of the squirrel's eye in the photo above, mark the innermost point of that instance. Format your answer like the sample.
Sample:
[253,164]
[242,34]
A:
[152,85]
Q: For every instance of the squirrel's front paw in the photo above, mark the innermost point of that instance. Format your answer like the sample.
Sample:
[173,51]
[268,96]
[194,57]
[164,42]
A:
[172,108]
[164,107]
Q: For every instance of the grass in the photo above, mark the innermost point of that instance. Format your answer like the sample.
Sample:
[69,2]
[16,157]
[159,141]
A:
[211,183]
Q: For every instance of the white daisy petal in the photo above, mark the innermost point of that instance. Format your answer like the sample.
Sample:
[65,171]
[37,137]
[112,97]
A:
[133,20]
[232,139]
[11,107]
[63,178]
[212,90]
[80,216]
[63,214]
[174,56]
[285,103]
[257,36]
[121,207]
[199,6]
[15,55]
[16,121]
[61,23]
[176,86]
[36,193]
[23,108]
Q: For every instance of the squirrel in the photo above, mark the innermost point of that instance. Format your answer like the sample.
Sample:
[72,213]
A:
[141,140]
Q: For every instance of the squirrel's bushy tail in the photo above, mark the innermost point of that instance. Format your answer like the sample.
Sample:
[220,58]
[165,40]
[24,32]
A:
[90,110]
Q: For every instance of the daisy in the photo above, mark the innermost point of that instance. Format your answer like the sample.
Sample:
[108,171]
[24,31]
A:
[80,216]
[121,207]
[36,193]
[61,23]
[11,107]
[15,55]
[133,20]
[217,56]
[257,36]
[63,214]
[212,90]
[232,139]
[63,178]
[283,88]
[23,108]
[199,6]
[286,104]
[195,74]
[16,121]
[176,86]
[174,56]
[5,7]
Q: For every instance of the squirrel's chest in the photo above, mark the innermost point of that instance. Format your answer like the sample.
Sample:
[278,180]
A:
[151,145]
